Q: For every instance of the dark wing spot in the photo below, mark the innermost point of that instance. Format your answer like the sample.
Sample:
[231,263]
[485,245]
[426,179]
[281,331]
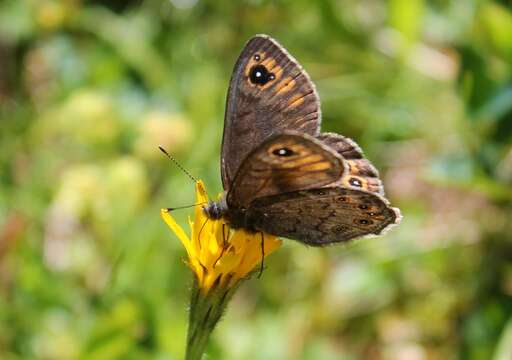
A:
[363,207]
[364,221]
[283,152]
[340,228]
[342,199]
[259,75]
[257,57]
[355,182]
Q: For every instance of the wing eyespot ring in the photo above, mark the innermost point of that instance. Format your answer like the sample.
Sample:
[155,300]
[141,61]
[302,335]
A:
[355,182]
[259,75]
[364,221]
[340,228]
[283,152]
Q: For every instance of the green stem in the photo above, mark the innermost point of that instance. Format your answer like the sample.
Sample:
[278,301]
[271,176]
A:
[206,309]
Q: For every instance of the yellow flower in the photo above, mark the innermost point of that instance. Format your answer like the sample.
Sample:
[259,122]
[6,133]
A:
[220,258]
[218,254]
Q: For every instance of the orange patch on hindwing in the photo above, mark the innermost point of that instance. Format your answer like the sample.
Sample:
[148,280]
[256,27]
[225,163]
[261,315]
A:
[355,182]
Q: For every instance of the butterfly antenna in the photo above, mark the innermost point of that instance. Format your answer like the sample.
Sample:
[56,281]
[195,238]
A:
[178,164]
[186,173]
[185,207]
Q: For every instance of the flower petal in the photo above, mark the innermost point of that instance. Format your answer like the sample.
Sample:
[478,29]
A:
[200,218]
[178,230]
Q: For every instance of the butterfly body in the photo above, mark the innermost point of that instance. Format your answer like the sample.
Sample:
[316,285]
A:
[280,174]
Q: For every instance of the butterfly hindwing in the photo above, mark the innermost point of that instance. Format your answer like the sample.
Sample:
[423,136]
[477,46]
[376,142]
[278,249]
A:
[269,93]
[319,217]
[361,174]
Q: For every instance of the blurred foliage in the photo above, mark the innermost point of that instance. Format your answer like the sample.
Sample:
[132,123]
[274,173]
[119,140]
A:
[88,89]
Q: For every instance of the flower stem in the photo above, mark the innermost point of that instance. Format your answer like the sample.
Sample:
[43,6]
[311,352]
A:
[206,309]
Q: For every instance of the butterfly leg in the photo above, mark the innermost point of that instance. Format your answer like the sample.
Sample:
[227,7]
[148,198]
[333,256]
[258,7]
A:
[200,231]
[262,254]
[224,244]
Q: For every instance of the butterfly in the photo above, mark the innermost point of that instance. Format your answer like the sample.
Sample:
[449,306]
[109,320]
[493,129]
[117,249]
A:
[280,174]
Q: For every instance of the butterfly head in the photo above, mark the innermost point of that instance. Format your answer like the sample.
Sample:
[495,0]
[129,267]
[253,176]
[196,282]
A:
[216,209]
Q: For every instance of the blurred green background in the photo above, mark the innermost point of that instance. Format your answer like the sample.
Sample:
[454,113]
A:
[88,89]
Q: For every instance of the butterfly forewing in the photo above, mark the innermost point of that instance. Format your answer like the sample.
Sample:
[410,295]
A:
[320,217]
[284,163]
[269,93]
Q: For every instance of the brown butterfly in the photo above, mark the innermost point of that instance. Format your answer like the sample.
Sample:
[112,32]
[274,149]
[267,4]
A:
[280,174]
